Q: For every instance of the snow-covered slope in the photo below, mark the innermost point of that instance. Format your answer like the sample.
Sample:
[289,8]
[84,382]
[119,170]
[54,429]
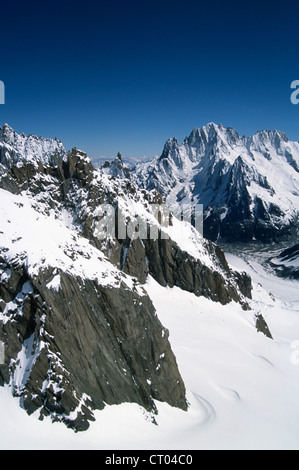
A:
[44,241]
[249,186]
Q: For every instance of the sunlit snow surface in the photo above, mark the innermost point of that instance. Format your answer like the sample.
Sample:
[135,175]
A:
[242,387]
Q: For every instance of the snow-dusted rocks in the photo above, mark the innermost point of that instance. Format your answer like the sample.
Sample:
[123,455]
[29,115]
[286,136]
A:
[287,263]
[80,346]
[18,149]
[249,186]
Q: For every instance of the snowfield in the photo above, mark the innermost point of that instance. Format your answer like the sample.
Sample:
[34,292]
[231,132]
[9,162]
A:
[242,387]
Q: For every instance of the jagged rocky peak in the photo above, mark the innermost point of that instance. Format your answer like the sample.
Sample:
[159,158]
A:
[171,155]
[207,132]
[211,134]
[273,136]
[268,142]
[116,168]
[170,147]
[8,135]
[79,166]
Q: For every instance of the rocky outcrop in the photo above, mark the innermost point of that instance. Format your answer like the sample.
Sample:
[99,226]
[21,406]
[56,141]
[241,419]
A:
[171,266]
[73,346]
[262,327]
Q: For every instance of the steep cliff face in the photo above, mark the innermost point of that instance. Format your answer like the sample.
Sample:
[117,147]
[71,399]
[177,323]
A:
[80,330]
[73,346]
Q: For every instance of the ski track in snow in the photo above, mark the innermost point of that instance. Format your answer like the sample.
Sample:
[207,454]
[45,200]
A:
[209,413]
[233,394]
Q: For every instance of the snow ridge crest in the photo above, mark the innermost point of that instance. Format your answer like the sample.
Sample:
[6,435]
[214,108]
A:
[18,149]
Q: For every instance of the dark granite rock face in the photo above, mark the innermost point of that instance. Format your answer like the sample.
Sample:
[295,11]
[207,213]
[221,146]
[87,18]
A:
[73,349]
[171,266]
[262,327]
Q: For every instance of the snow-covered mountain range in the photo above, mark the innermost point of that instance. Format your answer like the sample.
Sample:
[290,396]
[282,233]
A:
[109,335]
[79,328]
[249,186]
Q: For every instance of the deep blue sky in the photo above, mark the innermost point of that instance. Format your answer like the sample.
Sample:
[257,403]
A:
[125,76]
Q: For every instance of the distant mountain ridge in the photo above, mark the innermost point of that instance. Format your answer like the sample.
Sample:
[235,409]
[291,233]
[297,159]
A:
[249,186]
